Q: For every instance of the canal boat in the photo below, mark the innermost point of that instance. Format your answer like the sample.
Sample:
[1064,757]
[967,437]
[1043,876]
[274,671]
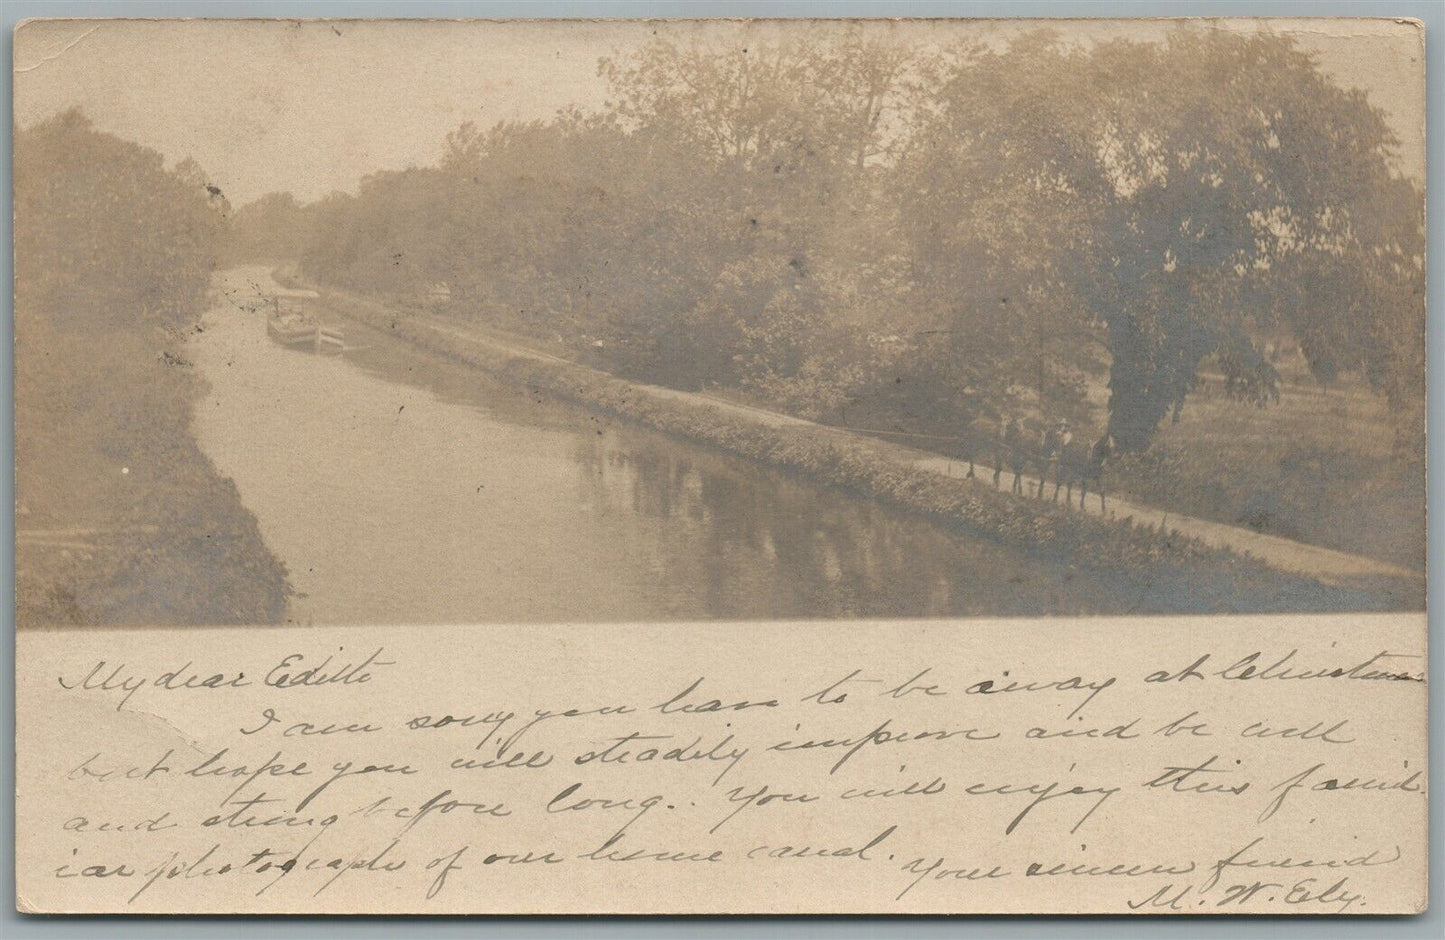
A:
[295,328]
[292,329]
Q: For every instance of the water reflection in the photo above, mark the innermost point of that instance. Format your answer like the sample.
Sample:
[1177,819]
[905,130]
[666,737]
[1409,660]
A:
[757,542]
[399,487]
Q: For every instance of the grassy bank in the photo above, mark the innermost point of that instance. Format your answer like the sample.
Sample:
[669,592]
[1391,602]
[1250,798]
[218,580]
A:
[121,518]
[1202,577]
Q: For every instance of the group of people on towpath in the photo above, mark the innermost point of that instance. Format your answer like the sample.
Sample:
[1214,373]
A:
[1052,454]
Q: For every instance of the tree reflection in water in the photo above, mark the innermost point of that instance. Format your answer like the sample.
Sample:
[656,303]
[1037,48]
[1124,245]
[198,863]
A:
[775,546]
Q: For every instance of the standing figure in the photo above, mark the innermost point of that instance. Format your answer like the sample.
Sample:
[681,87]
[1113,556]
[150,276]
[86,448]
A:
[1050,444]
[1082,464]
[1099,455]
[1063,437]
[1011,449]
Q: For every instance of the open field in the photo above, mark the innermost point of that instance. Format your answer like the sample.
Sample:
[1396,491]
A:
[1303,469]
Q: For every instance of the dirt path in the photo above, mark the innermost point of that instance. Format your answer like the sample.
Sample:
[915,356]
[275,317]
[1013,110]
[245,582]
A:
[1324,564]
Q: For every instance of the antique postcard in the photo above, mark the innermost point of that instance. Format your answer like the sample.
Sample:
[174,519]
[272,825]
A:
[720,466]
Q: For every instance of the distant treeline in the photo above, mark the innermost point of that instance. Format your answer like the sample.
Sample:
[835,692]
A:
[120,517]
[851,228]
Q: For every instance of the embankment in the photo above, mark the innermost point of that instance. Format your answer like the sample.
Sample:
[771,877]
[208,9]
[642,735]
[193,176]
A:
[1202,577]
[121,518]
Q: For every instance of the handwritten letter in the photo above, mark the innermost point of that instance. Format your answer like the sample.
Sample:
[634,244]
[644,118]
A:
[1247,765]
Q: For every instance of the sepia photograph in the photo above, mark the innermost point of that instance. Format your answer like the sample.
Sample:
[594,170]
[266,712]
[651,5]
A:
[721,467]
[348,322]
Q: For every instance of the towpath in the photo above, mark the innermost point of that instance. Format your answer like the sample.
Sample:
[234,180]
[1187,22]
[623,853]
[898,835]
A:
[1325,564]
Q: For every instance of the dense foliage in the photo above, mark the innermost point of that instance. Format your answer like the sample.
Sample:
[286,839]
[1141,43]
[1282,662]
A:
[853,229]
[121,518]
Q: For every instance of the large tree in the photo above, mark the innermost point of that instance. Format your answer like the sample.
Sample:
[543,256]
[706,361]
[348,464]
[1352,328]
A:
[105,213]
[1185,194]
[782,142]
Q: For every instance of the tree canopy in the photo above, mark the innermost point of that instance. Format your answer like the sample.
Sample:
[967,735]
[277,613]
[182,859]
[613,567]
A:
[958,233]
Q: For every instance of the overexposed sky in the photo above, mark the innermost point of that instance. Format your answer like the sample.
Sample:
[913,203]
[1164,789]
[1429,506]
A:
[313,106]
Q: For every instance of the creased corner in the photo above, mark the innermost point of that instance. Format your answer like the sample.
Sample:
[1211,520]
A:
[19,69]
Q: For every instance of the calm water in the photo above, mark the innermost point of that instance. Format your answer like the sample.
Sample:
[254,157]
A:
[400,488]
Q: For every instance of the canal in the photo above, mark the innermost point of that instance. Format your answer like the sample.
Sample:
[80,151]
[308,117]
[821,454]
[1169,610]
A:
[401,488]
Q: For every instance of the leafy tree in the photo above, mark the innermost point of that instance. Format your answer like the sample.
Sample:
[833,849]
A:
[966,234]
[130,231]
[1178,191]
[784,143]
